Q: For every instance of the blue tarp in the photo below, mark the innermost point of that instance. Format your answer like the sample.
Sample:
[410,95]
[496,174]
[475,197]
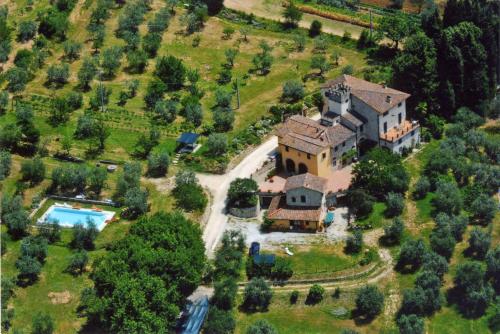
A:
[188,138]
[330,216]
[196,314]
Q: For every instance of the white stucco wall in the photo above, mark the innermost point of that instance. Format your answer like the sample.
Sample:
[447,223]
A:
[392,117]
[313,198]
[371,128]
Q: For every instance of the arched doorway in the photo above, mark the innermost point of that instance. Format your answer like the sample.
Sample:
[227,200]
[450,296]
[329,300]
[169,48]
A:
[302,168]
[290,166]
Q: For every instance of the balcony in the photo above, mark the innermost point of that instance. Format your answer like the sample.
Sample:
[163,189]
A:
[400,131]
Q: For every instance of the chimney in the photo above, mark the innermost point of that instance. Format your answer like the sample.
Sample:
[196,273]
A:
[388,99]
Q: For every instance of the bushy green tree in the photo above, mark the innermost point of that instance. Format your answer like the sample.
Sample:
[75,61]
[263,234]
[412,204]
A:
[151,43]
[435,263]
[242,193]
[26,30]
[293,91]
[479,243]
[394,232]
[422,187]
[163,257]
[154,93]
[171,71]
[35,247]
[33,170]
[58,74]
[217,144]
[292,15]
[111,60]
[369,301]
[42,324]
[158,164]
[72,50]
[5,164]
[84,236]
[219,322]
[448,198]
[225,294]
[396,28]
[315,295]
[473,295]
[86,73]
[315,28]
[50,230]
[78,262]
[257,295]
[411,324]
[359,202]
[483,209]
[136,201]
[395,204]
[411,254]
[493,267]
[29,269]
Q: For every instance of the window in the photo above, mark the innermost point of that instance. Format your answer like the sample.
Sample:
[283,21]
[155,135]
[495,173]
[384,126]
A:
[400,141]
[286,148]
[323,156]
[334,162]
[302,198]
[385,127]
[294,200]
[413,133]
[308,156]
[361,128]
[399,118]
[347,100]
[399,104]
[385,114]
[343,144]
[336,148]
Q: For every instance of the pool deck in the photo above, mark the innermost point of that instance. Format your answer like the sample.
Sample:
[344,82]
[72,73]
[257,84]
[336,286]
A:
[100,226]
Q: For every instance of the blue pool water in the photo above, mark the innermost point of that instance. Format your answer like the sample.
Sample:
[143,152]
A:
[69,217]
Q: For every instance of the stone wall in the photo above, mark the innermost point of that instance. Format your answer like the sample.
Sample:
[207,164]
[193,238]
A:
[245,212]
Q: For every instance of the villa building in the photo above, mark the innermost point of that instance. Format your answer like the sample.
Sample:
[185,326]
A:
[355,110]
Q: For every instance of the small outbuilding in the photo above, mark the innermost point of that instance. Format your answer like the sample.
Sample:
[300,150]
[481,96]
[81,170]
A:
[187,142]
[194,316]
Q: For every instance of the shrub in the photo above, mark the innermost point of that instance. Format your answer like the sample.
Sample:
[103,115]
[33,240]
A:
[42,324]
[348,69]
[282,269]
[395,204]
[261,327]
[315,295]
[190,197]
[369,301]
[257,295]
[354,243]
[315,28]
[294,296]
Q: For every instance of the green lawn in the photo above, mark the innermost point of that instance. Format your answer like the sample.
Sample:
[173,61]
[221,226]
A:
[376,218]
[321,260]
[311,319]
[449,321]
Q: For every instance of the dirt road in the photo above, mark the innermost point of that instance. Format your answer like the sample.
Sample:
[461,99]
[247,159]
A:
[219,185]
[271,9]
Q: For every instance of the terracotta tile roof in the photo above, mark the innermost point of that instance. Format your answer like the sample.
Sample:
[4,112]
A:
[278,209]
[275,184]
[395,133]
[353,119]
[338,134]
[307,135]
[306,180]
[379,97]
[303,134]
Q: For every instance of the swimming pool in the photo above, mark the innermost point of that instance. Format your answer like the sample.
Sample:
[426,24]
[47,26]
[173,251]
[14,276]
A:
[68,217]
